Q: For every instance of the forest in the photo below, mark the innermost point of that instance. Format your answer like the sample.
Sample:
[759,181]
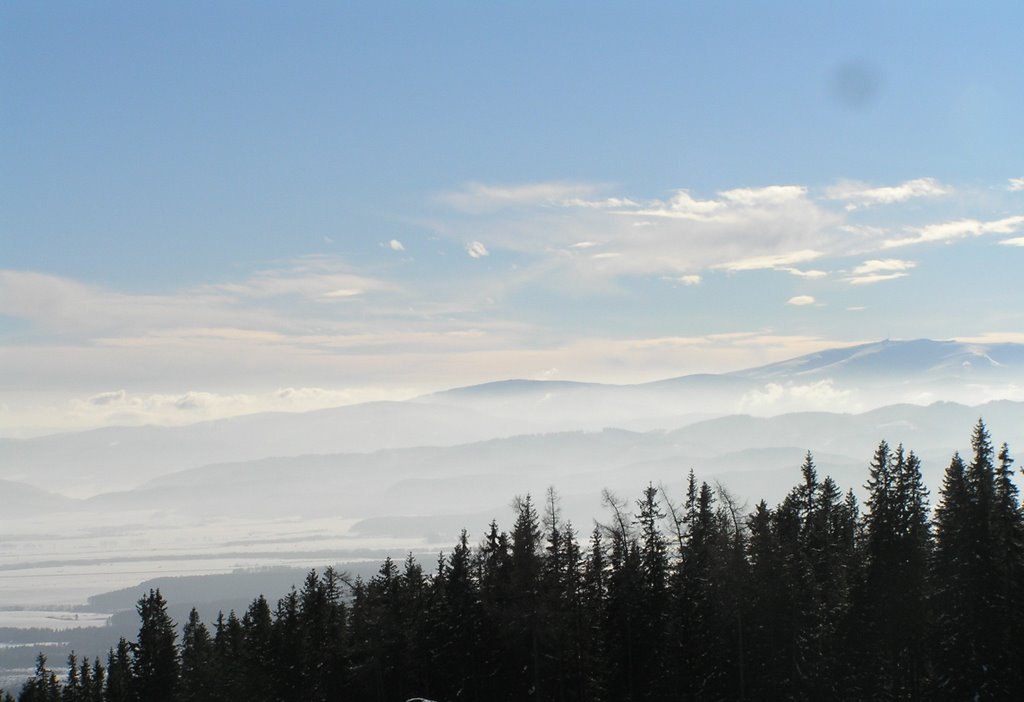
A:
[816,598]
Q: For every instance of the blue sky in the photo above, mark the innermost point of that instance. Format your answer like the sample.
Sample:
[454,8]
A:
[211,208]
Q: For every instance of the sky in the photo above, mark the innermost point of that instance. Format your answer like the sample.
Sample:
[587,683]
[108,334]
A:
[209,209]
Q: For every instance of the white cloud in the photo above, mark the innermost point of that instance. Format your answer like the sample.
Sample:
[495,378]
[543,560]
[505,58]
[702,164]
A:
[477,197]
[1016,184]
[309,277]
[396,245]
[811,274]
[343,293]
[608,203]
[682,205]
[476,250]
[1013,337]
[1016,241]
[801,300]
[774,261]
[767,196]
[689,280]
[879,270]
[958,229]
[774,398]
[681,235]
[874,278]
[884,265]
[125,408]
[860,195]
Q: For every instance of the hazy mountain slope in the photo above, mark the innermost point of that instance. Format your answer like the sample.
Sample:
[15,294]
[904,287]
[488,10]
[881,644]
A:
[98,460]
[847,379]
[19,498]
[755,457]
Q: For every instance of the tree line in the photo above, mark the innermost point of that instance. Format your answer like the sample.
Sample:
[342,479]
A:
[813,599]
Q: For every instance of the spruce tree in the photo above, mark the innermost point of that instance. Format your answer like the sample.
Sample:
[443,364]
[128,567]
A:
[196,684]
[155,653]
[120,686]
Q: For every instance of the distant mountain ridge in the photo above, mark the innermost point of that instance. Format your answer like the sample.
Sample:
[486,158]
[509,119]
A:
[881,359]
[848,379]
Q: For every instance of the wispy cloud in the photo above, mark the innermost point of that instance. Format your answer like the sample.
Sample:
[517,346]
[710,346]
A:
[811,274]
[778,227]
[266,298]
[681,235]
[310,277]
[879,270]
[1016,241]
[396,245]
[958,229]
[478,197]
[774,261]
[801,300]
[1015,184]
[685,280]
[856,194]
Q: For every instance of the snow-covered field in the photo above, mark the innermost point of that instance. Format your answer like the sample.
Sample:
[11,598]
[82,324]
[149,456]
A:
[56,562]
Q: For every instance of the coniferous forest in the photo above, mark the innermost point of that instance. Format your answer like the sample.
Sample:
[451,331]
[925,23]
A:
[816,598]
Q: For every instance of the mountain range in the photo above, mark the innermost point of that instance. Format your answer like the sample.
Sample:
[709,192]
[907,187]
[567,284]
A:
[850,379]
[289,489]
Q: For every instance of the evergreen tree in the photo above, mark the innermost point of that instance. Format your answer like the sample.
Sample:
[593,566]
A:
[42,686]
[257,652]
[594,613]
[890,615]
[770,623]
[120,685]
[652,614]
[227,655]
[287,647]
[156,662]
[72,688]
[525,633]
[1008,534]
[621,629]
[196,684]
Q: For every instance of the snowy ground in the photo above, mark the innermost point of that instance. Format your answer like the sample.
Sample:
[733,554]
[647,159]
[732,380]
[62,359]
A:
[55,563]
